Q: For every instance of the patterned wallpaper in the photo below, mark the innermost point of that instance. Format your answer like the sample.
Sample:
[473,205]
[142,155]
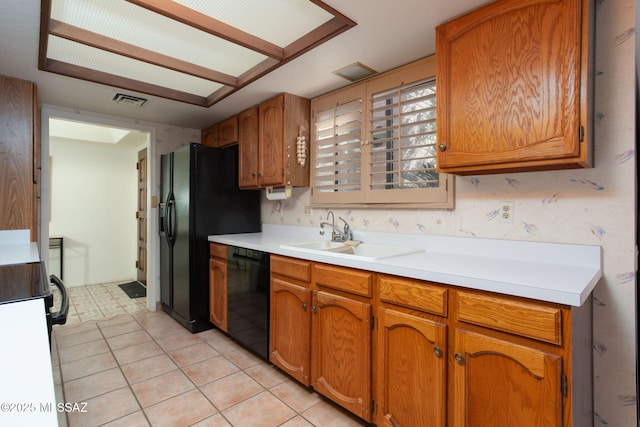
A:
[592,206]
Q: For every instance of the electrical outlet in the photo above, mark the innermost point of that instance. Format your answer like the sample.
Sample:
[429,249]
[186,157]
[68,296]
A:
[506,212]
[307,210]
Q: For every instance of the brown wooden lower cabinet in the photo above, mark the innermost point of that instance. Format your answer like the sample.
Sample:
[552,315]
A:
[516,361]
[320,334]
[411,359]
[497,382]
[400,352]
[341,351]
[290,317]
[290,332]
[218,286]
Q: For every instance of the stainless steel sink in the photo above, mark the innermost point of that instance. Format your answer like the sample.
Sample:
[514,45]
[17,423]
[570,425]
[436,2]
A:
[363,251]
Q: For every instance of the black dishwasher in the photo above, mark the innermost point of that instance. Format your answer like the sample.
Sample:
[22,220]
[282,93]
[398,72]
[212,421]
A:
[248,299]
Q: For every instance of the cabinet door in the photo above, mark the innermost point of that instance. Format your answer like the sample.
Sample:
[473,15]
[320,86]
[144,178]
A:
[411,371]
[341,351]
[271,142]
[18,156]
[228,132]
[508,88]
[498,383]
[290,329]
[218,293]
[248,148]
[209,136]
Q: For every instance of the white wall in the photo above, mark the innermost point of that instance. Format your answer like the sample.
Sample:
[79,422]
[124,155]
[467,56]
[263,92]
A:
[593,206]
[93,207]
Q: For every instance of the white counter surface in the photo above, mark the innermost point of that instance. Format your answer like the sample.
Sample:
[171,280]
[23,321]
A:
[15,247]
[553,272]
[27,396]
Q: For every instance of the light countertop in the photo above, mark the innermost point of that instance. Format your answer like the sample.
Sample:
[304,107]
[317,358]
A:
[27,394]
[16,248]
[553,272]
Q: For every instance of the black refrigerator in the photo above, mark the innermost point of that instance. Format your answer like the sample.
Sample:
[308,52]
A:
[199,197]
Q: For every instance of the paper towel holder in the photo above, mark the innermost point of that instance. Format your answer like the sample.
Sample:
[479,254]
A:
[280,195]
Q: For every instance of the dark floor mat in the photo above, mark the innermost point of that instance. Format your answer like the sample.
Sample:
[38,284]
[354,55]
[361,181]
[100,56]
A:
[134,289]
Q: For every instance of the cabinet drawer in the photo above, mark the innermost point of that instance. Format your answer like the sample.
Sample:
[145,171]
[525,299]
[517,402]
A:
[344,279]
[217,250]
[530,320]
[415,294]
[291,267]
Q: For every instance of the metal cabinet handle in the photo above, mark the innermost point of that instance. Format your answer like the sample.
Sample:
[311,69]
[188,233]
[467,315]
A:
[437,351]
[304,306]
[442,147]
[314,309]
[459,358]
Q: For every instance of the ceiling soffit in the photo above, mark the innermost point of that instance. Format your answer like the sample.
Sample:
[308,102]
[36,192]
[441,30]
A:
[192,51]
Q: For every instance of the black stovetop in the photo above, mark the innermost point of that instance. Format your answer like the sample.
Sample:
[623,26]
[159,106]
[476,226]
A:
[23,281]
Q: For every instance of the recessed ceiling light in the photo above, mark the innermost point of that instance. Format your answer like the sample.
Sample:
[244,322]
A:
[355,71]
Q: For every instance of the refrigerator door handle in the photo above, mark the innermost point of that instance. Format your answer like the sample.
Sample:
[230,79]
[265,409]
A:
[170,229]
[165,221]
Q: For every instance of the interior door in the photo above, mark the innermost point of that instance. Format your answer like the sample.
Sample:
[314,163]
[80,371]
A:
[141,216]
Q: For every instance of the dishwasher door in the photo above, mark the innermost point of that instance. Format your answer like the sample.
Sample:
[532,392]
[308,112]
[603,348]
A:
[248,299]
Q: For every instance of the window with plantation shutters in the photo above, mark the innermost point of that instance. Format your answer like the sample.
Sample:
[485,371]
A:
[337,147]
[374,143]
[403,137]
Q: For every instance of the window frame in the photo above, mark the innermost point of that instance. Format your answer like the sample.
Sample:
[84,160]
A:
[441,197]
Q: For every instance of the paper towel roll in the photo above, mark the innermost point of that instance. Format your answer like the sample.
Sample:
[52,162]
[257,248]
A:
[281,195]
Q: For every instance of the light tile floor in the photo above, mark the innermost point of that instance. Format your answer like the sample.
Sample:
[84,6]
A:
[99,301]
[145,369]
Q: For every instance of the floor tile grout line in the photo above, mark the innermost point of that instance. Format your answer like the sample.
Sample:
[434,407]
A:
[199,387]
[59,367]
[125,379]
[104,338]
[146,326]
[180,368]
[196,387]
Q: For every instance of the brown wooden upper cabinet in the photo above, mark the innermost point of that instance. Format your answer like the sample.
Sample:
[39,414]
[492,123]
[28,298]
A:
[268,143]
[19,156]
[514,86]
[221,134]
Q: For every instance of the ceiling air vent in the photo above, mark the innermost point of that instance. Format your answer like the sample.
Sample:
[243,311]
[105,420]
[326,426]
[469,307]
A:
[123,98]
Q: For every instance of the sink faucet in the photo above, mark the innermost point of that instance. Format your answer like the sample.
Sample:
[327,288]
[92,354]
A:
[337,235]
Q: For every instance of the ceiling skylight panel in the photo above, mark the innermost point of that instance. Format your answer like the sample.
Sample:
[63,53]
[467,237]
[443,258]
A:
[280,22]
[173,49]
[70,129]
[137,26]
[88,57]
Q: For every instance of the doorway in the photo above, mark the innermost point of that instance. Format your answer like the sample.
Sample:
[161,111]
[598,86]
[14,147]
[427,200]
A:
[102,178]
